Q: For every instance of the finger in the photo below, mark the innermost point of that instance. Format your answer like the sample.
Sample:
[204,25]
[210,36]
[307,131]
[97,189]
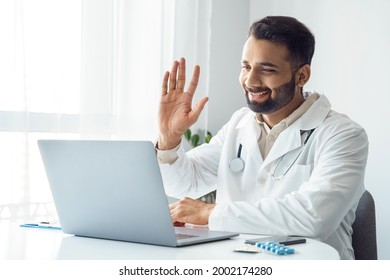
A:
[175,214]
[194,80]
[164,87]
[198,109]
[172,206]
[172,77]
[181,77]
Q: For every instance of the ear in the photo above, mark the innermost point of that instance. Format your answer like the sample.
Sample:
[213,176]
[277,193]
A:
[303,75]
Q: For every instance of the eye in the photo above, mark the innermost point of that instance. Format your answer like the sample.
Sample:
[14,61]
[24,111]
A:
[245,67]
[268,70]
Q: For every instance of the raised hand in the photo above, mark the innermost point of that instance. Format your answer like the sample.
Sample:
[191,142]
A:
[176,114]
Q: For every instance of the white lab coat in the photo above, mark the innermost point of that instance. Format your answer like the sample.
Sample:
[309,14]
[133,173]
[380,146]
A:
[316,198]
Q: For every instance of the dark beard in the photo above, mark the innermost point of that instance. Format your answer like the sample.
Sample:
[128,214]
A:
[284,94]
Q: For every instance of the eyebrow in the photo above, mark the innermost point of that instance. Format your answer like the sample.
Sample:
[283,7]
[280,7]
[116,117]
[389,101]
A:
[267,64]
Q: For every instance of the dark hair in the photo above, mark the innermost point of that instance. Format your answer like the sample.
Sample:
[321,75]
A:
[289,31]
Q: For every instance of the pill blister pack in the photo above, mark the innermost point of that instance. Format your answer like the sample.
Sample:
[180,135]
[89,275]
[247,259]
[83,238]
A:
[246,248]
[276,248]
[272,247]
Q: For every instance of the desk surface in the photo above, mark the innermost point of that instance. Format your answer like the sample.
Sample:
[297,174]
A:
[26,243]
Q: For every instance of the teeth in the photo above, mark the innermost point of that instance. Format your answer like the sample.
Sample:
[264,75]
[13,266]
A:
[258,93]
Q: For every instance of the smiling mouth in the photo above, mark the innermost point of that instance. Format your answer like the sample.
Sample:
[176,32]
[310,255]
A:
[258,93]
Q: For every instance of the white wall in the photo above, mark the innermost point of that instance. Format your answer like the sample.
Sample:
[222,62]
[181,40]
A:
[229,28]
[349,67]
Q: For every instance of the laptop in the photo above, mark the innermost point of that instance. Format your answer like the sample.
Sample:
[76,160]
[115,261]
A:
[114,190]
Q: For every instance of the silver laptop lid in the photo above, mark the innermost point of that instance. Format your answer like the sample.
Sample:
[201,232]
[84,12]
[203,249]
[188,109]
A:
[108,189]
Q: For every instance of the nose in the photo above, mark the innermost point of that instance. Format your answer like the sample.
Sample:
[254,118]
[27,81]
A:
[251,80]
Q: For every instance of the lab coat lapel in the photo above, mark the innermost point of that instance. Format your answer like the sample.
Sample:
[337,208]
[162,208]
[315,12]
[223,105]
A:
[291,138]
[288,140]
[249,132]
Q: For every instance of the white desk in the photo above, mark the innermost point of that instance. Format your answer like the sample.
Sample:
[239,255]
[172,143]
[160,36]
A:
[26,243]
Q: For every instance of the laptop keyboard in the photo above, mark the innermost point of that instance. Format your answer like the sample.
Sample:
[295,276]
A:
[184,236]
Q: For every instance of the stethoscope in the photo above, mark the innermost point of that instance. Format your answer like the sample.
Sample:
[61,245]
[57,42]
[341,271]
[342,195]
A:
[237,164]
[309,133]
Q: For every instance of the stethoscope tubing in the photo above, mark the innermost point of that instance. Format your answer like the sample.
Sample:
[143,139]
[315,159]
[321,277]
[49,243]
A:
[237,164]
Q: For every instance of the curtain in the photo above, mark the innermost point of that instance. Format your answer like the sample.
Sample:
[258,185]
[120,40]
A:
[88,69]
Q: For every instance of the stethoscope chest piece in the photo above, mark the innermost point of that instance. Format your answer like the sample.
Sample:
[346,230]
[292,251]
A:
[237,165]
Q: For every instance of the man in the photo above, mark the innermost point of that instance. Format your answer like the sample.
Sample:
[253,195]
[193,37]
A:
[286,165]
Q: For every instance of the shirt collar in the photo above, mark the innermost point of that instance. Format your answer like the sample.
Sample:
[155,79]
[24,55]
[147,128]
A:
[310,98]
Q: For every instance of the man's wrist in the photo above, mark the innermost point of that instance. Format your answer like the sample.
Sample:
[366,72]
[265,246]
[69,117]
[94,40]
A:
[163,143]
[209,209]
[167,156]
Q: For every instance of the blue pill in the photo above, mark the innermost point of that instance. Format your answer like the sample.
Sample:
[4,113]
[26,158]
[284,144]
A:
[289,250]
[280,252]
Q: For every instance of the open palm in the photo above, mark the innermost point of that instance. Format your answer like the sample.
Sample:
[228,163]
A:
[176,114]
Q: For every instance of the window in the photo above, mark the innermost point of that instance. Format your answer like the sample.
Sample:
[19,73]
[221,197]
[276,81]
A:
[39,95]
[84,69]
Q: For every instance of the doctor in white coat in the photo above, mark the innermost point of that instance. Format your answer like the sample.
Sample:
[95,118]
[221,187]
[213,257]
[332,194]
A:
[285,165]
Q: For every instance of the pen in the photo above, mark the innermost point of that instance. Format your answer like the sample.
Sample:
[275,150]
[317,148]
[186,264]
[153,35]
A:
[40,225]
